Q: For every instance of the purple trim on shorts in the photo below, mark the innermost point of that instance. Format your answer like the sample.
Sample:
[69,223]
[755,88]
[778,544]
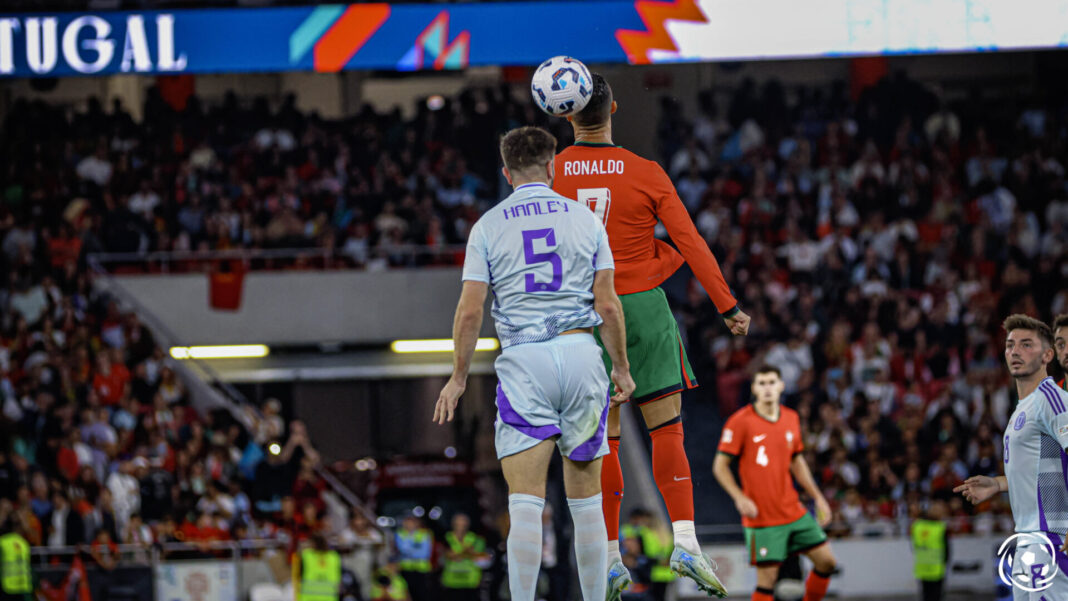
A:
[587,451]
[1062,559]
[513,419]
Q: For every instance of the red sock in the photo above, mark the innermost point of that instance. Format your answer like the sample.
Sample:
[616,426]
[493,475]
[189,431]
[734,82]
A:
[612,488]
[762,594]
[816,586]
[671,470]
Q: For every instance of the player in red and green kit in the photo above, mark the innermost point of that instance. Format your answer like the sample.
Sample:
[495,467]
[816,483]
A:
[765,438]
[1060,346]
[631,195]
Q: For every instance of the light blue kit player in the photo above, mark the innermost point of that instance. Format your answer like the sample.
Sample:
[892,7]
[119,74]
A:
[1036,465]
[549,265]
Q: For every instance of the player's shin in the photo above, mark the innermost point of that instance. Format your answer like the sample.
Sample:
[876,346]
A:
[591,549]
[671,470]
[612,493]
[816,586]
[524,545]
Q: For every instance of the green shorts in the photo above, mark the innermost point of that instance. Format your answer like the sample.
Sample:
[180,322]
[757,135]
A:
[658,360]
[773,544]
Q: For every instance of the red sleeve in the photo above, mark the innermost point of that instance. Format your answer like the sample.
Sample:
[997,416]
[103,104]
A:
[676,219]
[730,442]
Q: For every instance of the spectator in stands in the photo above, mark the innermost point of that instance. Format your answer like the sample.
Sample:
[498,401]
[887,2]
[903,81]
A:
[368,549]
[104,551]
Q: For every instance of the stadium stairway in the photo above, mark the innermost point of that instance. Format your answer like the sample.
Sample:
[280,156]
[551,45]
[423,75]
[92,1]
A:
[209,392]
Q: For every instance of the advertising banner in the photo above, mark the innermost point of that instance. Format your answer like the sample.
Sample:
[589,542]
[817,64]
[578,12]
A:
[409,37]
[196,581]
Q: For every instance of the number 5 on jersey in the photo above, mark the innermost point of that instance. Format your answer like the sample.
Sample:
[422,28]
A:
[599,200]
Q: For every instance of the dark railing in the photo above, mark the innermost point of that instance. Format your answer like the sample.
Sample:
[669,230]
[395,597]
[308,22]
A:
[257,259]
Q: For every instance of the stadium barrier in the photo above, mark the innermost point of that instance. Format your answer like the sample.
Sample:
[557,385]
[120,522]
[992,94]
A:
[227,570]
[302,307]
[206,571]
[257,259]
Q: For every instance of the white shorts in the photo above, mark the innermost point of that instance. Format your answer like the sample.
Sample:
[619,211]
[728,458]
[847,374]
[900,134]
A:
[1058,590]
[557,388]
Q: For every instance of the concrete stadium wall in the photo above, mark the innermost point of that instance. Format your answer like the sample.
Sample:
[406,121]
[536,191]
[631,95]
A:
[301,308]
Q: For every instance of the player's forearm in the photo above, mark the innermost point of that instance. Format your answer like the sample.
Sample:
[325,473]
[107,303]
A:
[1003,483]
[613,331]
[699,257]
[721,469]
[465,329]
[799,468]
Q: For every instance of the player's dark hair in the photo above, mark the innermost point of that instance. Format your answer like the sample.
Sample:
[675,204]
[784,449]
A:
[1026,322]
[526,147]
[768,369]
[599,109]
[1061,321]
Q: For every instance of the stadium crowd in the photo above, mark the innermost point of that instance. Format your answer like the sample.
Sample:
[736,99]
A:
[100,439]
[189,177]
[877,243]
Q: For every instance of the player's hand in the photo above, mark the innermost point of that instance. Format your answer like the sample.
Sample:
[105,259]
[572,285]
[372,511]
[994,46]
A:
[823,512]
[738,323]
[978,489]
[1064,545]
[746,507]
[447,400]
[624,387]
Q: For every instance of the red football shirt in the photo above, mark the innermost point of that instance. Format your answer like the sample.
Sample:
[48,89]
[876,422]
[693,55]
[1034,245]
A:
[630,194]
[765,450]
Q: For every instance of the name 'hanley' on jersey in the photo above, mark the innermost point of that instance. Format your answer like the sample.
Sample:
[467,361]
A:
[538,252]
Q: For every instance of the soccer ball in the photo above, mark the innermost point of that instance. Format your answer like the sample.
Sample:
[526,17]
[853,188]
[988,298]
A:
[561,86]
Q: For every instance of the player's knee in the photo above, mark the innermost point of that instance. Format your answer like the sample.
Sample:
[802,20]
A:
[767,575]
[825,564]
[526,489]
[661,411]
[583,487]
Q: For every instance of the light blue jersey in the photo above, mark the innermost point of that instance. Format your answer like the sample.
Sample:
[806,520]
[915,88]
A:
[1036,465]
[538,251]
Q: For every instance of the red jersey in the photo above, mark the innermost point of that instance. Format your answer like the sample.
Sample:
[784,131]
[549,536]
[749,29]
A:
[630,194]
[765,450]
[111,386]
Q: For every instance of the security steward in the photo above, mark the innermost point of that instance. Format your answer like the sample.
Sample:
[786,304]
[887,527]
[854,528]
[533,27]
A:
[16,581]
[461,574]
[320,572]
[930,549]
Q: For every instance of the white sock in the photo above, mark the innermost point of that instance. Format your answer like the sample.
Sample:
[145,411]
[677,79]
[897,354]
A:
[591,546]
[524,545]
[686,536]
[613,552]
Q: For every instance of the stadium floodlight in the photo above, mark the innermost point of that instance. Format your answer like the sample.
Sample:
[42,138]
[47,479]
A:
[442,345]
[220,351]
